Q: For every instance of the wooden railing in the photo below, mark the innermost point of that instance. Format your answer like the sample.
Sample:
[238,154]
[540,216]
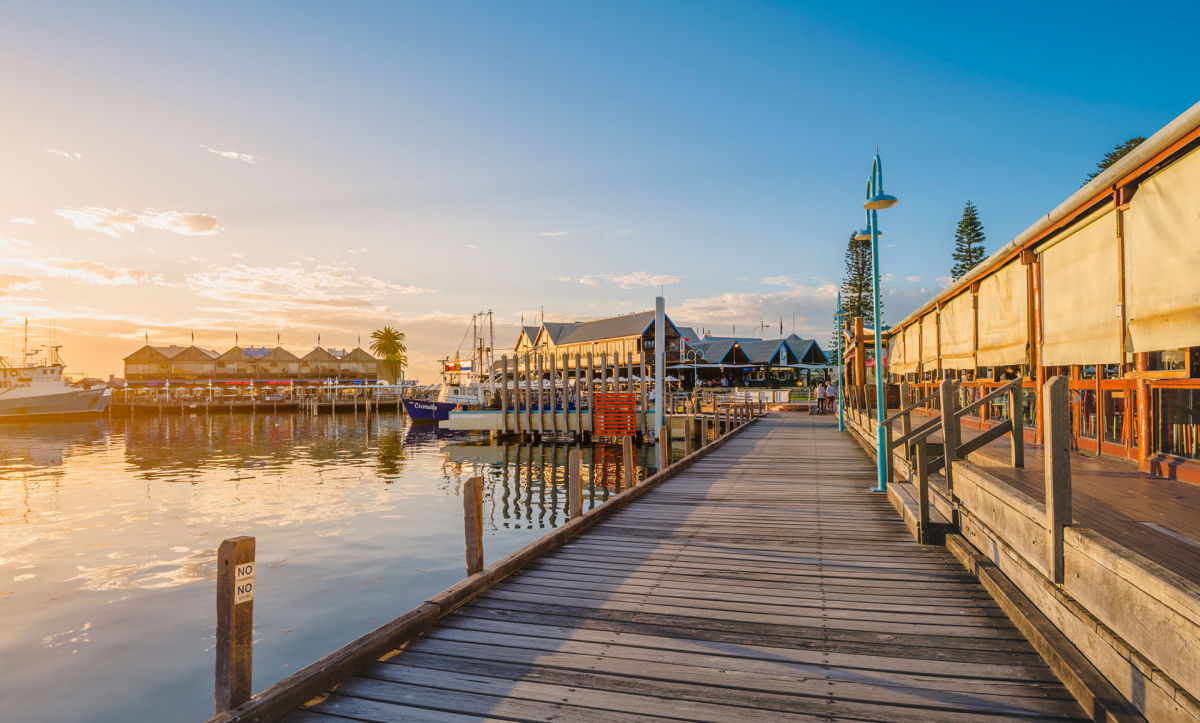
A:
[949,423]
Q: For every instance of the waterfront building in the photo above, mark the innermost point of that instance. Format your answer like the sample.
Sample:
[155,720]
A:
[1105,290]
[758,362]
[617,335]
[184,365]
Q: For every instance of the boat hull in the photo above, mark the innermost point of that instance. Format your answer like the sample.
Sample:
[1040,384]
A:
[64,405]
[424,410]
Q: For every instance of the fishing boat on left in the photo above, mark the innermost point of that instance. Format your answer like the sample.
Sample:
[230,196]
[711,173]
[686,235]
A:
[35,389]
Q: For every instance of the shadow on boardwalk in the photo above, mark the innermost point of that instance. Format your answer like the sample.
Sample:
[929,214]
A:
[765,582]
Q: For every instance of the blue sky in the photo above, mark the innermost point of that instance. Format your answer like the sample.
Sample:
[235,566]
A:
[307,168]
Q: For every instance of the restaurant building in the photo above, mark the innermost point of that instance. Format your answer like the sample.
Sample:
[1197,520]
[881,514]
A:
[183,365]
[1105,290]
[614,337]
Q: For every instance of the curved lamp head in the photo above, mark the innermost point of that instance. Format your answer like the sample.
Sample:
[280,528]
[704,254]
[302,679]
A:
[863,235]
[880,201]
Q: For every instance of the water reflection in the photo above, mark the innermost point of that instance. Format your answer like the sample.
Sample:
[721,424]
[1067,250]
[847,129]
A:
[108,532]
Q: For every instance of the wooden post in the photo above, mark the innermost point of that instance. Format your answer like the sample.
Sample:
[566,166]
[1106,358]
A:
[603,372]
[905,424]
[688,424]
[664,448]
[574,492]
[1057,449]
[642,374]
[922,480]
[554,394]
[1016,415]
[528,398]
[629,366]
[504,393]
[472,495]
[627,461]
[591,395]
[891,463]
[235,622]
[578,399]
[540,393]
[948,397]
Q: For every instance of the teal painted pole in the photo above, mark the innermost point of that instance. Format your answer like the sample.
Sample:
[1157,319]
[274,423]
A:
[840,316]
[880,436]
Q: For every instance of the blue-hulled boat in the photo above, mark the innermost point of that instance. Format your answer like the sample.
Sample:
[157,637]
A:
[450,398]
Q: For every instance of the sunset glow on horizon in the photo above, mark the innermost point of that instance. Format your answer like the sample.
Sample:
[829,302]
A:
[219,170]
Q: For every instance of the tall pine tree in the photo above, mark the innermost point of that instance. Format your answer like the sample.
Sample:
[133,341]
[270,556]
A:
[1116,154]
[857,299]
[968,242]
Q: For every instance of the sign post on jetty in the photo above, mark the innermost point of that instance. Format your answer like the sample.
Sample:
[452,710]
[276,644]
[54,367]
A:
[877,199]
[235,622]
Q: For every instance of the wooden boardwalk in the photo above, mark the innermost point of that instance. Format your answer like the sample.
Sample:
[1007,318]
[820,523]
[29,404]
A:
[765,582]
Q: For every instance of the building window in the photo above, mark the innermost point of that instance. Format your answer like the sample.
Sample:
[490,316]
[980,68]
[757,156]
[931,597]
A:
[1169,360]
[1177,422]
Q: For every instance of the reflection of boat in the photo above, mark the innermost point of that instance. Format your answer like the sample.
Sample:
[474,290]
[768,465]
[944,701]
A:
[38,391]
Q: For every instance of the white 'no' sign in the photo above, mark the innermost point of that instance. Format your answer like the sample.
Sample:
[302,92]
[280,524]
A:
[243,582]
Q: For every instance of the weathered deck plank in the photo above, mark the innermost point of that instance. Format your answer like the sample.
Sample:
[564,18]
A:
[765,582]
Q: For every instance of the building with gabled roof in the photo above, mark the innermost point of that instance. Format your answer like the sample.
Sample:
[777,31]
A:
[151,365]
[613,337]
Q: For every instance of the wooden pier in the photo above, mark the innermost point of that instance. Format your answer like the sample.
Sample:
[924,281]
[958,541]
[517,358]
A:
[757,580]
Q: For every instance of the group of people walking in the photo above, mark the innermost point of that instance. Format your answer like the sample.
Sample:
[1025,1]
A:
[826,395]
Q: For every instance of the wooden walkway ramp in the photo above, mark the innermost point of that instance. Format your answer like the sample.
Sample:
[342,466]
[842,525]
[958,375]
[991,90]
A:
[765,582]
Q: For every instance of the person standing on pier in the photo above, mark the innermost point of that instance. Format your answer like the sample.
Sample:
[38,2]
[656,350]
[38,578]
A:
[820,397]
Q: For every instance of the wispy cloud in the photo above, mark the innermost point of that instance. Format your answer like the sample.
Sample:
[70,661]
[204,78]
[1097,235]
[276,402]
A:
[813,307]
[553,233]
[779,281]
[114,222]
[912,279]
[14,245]
[64,154]
[294,287]
[92,272]
[22,219]
[644,278]
[231,155]
[16,282]
[626,281]
[84,272]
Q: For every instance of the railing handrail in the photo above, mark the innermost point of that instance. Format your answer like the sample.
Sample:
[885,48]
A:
[909,408]
[988,397]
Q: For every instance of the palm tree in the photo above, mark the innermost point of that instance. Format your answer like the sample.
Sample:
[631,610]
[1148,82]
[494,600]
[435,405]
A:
[389,344]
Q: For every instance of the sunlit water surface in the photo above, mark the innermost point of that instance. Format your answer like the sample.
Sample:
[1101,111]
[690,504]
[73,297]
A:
[109,530]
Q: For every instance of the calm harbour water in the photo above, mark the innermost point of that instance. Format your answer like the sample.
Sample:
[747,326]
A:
[109,529]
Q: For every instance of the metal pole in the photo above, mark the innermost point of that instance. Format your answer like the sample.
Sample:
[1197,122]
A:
[660,360]
[841,390]
[880,437]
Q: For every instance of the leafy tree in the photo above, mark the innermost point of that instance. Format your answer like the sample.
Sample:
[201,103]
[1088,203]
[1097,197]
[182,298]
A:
[968,242]
[1117,153]
[857,299]
[389,344]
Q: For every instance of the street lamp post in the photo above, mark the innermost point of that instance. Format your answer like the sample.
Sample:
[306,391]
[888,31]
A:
[876,200]
[841,386]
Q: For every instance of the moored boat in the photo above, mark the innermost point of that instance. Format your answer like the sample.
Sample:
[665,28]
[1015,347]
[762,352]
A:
[39,391]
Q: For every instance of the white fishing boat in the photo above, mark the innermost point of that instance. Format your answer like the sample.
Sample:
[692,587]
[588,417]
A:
[38,390]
